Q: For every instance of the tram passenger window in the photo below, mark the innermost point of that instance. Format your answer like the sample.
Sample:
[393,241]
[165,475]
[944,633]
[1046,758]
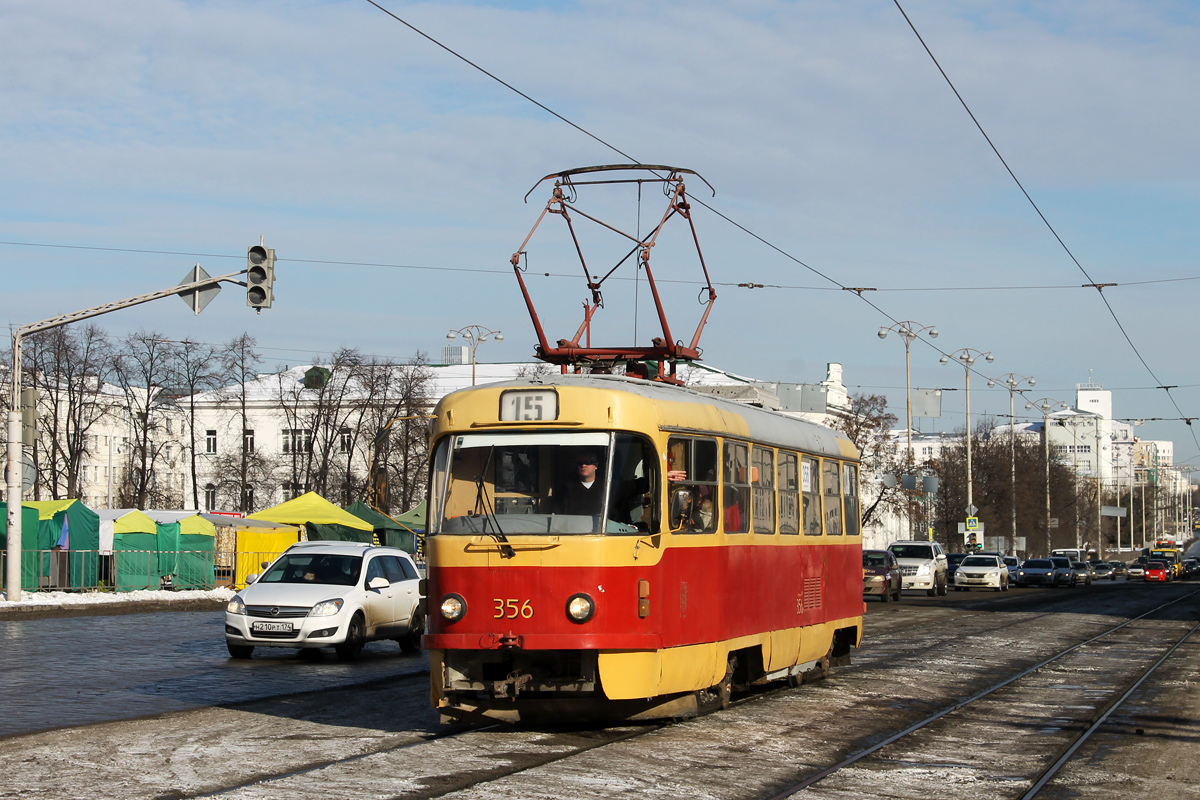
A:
[635,483]
[692,477]
[736,489]
[831,480]
[810,490]
[789,494]
[850,496]
[763,494]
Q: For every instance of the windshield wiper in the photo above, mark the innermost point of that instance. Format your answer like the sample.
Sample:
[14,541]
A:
[484,503]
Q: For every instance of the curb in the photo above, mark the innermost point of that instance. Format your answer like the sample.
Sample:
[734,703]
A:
[108,609]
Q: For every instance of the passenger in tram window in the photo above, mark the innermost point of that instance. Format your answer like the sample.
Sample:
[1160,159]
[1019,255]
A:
[582,491]
[737,488]
[692,484]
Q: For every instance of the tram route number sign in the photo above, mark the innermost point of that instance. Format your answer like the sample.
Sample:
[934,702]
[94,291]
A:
[524,405]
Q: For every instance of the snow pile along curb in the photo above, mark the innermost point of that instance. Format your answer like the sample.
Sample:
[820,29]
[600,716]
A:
[42,604]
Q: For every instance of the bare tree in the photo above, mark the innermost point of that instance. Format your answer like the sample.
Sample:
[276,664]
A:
[397,431]
[195,369]
[67,366]
[239,361]
[867,426]
[142,366]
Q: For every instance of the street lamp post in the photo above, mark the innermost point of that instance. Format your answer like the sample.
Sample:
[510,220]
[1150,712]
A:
[1013,381]
[907,331]
[476,335]
[967,356]
[1046,406]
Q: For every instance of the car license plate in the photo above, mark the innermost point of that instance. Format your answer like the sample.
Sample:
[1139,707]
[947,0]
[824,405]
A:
[265,627]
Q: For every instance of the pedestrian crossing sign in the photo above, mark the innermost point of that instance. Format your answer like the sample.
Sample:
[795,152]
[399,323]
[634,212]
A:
[972,523]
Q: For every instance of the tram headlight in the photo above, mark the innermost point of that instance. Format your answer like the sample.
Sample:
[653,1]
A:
[454,607]
[580,608]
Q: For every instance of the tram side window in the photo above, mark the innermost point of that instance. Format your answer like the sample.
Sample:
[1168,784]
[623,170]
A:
[692,477]
[850,496]
[635,484]
[737,488]
[831,480]
[810,490]
[763,493]
[789,494]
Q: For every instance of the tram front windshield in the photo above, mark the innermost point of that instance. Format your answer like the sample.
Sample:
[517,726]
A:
[544,483]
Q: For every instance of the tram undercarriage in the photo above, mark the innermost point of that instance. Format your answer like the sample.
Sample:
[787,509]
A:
[564,686]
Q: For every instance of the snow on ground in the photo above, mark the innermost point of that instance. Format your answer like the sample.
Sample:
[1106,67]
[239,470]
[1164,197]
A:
[55,599]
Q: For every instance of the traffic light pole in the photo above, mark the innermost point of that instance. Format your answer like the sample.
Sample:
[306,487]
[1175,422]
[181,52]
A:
[15,493]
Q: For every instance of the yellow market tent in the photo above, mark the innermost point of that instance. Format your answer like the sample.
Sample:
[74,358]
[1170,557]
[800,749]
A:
[320,518]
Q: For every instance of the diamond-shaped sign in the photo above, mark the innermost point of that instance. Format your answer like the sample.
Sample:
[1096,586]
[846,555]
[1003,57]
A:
[198,298]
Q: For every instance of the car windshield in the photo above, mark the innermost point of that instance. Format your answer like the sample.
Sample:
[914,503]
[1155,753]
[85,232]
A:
[320,568]
[980,561]
[875,559]
[1039,563]
[553,482]
[1061,562]
[954,558]
[1156,565]
[911,551]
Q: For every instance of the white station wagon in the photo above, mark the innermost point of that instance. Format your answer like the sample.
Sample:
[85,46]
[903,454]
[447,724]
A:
[329,594]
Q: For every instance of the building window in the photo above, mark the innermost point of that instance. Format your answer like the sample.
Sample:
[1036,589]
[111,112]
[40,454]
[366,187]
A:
[344,440]
[248,440]
[293,489]
[169,425]
[210,497]
[297,440]
[249,495]
[210,441]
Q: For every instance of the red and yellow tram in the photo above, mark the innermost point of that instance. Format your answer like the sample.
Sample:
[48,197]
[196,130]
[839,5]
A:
[605,548]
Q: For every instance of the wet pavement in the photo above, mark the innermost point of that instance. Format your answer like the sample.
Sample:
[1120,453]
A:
[79,670]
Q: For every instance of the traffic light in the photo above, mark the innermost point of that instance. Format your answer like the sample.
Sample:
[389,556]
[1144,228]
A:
[260,276]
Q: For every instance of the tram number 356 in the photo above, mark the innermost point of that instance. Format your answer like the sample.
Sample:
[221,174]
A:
[511,609]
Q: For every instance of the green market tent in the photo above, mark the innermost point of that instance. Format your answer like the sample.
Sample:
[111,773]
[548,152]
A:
[321,518]
[135,548]
[32,568]
[414,518]
[195,537]
[387,530]
[75,528]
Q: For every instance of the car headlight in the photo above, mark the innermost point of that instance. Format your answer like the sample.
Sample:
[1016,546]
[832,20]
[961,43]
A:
[580,608]
[993,574]
[453,607]
[923,569]
[236,606]
[326,608]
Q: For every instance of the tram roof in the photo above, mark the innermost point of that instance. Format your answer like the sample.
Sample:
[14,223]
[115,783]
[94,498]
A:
[762,424]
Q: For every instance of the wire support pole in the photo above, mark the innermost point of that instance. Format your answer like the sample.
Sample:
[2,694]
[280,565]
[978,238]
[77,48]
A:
[1012,382]
[907,331]
[967,357]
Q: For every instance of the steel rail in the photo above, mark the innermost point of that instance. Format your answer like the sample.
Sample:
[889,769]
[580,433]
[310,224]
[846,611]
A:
[1116,703]
[916,726]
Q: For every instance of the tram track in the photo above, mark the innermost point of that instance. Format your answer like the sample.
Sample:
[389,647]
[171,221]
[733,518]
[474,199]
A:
[1062,757]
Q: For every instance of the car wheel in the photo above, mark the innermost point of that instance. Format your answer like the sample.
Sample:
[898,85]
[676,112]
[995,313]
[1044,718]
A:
[239,650]
[897,595]
[886,597]
[1004,586]
[411,642]
[356,637]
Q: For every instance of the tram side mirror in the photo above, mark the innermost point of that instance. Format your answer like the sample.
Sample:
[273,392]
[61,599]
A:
[681,508]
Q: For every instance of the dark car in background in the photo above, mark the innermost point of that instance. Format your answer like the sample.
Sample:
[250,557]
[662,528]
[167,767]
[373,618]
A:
[1191,567]
[881,575]
[1103,571]
[1119,570]
[1035,572]
[952,562]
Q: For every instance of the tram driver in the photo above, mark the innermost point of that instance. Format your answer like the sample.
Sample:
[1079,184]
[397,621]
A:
[582,491]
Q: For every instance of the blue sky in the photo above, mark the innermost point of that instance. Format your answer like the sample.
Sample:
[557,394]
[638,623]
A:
[340,135]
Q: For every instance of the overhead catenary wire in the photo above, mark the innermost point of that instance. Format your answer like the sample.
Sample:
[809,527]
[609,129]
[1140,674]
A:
[1099,287]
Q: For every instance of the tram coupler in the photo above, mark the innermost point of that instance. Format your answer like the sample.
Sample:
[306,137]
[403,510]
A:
[515,679]
[509,641]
